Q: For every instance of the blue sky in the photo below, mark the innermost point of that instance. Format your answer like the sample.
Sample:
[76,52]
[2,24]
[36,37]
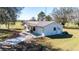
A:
[29,12]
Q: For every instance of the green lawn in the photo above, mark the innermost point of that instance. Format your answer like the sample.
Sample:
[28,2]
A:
[4,33]
[63,43]
[18,25]
[60,43]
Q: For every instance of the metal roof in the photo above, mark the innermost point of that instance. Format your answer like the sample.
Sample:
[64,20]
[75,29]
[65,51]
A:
[39,23]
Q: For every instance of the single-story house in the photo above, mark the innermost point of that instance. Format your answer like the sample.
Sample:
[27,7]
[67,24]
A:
[44,27]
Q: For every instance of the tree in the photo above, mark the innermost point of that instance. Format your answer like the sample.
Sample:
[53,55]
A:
[75,15]
[62,14]
[76,21]
[41,16]
[9,14]
[48,18]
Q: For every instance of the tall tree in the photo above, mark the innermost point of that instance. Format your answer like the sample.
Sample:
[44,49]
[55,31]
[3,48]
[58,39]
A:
[41,16]
[48,18]
[9,14]
[62,14]
[75,15]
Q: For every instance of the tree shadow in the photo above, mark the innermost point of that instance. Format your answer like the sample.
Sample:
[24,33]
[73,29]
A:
[22,46]
[56,49]
[4,31]
[8,33]
[71,27]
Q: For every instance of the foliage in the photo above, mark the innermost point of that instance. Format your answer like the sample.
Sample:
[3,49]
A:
[62,14]
[41,16]
[9,14]
[76,16]
[48,18]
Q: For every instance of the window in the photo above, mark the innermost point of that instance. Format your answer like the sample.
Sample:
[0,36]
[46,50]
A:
[33,28]
[54,28]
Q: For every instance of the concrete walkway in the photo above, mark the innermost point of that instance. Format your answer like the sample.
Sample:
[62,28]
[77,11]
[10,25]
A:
[23,37]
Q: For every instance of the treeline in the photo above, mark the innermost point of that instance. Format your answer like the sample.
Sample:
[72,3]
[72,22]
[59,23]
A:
[62,15]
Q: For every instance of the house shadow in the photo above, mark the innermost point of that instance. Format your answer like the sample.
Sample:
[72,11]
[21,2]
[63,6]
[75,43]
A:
[61,36]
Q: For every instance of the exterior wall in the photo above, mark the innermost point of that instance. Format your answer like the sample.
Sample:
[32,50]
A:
[38,30]
[49,30]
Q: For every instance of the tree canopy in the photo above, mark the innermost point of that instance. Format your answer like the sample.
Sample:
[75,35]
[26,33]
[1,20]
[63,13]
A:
[41,16]
[9,14]
[48,18]
[63,14]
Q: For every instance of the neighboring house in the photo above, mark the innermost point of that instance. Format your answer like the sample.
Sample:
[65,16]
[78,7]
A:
[44,27]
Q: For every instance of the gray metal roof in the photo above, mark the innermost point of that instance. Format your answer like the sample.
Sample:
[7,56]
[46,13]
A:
[39,23]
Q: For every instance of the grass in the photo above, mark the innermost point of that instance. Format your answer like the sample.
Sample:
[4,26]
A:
[65,44]
[18,25]
[4,32]
[71,25]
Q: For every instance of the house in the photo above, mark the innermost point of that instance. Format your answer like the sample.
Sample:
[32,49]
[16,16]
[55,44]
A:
[44,27]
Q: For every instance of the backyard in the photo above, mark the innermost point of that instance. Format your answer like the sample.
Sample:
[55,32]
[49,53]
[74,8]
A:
[4,32]
[66,44]
[53,43]
[63,43]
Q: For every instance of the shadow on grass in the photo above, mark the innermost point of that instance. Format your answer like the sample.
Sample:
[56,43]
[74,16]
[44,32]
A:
[4,31]
[29,47]
[56,49]
[61,36]
[8,33]
[71,27]
[9,30]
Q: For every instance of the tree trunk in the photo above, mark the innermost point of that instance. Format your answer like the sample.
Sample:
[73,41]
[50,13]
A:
[0,26]
[78,24]
[8,26]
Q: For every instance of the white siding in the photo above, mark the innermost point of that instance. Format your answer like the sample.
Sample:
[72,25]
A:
[49,29]
[38,30]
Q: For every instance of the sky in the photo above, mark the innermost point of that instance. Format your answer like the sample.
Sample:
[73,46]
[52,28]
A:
[29,12]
